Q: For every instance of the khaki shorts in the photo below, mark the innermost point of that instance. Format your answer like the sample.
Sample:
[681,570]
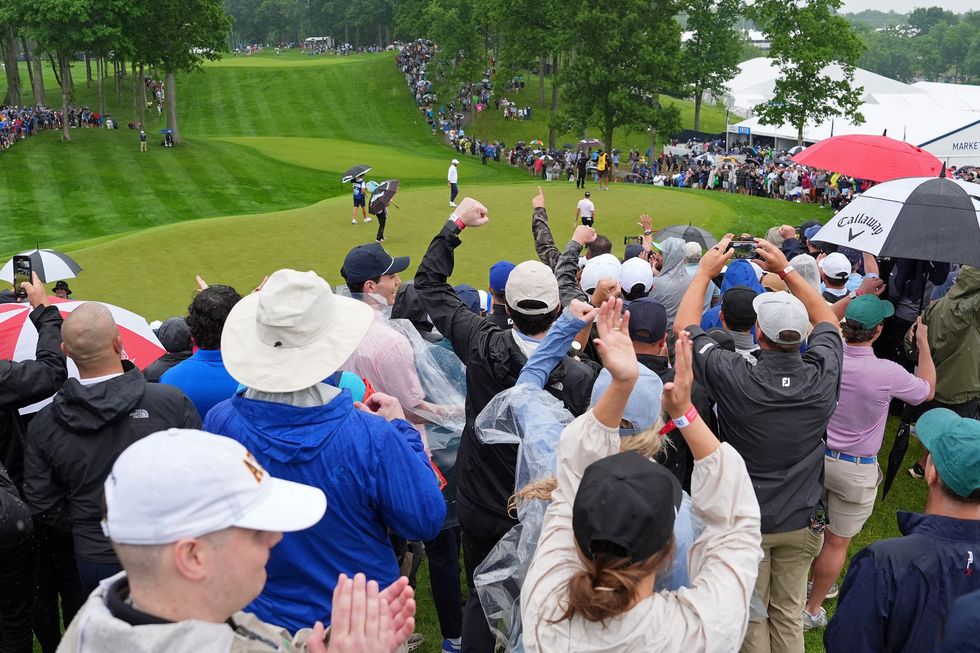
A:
[849,494]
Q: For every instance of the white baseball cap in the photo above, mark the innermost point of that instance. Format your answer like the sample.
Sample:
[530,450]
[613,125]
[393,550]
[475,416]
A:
[836,266]
[184,483]
[455,161]
[634,271]
[597,268]
[781,312]
[532,281]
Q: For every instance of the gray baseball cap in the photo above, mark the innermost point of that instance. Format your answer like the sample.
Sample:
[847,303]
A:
[779,313]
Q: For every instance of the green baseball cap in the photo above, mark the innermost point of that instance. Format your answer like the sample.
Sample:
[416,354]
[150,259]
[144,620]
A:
[954,443]
[869,311]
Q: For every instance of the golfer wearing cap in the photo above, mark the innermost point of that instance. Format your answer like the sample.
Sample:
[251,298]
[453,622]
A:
[193,518]
[453,178]
[898,592]
[608,532]
[775,414]
[585,210]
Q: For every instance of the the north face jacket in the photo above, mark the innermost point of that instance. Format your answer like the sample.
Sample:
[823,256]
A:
[72,444]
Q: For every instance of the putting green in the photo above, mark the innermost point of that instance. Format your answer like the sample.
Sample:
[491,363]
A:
[152,271]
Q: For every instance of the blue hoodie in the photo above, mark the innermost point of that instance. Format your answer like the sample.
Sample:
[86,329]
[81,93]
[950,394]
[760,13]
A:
[739,273]
[376,476]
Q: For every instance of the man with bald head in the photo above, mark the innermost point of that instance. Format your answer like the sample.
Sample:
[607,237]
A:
[73,442]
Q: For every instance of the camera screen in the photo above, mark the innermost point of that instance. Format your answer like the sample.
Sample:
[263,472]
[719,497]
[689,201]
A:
[744,249]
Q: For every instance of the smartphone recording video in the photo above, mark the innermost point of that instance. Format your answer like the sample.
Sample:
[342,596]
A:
[743,248]
[22,273]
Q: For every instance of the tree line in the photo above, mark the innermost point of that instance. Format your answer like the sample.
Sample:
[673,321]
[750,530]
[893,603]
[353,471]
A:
[931,44]
[126,37]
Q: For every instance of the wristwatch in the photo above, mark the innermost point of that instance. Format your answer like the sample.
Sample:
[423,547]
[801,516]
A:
[647,232]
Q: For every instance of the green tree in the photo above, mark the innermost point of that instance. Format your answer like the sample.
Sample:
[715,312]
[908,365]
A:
[711,55]
[184,33]
[889,52]
[625,54]
[923,19]
[956,45]
[806,39]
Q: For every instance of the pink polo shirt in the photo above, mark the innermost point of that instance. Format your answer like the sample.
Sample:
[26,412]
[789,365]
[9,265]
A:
[867,386]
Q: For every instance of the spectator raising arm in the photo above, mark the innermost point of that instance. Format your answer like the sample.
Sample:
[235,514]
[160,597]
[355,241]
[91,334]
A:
[449,314]
[772,259]
[689,311]
[565,270]
[544,241]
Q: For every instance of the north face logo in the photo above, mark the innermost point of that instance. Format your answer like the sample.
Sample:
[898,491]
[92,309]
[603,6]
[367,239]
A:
[140,413]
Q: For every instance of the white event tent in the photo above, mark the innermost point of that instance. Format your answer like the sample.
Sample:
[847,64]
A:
[941,118]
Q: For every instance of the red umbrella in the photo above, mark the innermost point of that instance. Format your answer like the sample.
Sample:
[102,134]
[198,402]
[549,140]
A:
[18,337]
[876,158]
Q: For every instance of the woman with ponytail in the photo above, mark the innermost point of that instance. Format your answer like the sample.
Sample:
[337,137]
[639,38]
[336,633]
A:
[609,529]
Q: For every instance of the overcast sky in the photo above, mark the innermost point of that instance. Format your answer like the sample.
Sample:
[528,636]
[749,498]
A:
[905,6]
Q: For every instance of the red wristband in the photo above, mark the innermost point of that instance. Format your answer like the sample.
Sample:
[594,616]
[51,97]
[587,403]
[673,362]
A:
[459,223]
[680,422]
[858,292]
[786,271]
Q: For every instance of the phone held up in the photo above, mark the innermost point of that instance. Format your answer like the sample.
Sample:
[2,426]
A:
[632,240]
[743,248]
[22,273]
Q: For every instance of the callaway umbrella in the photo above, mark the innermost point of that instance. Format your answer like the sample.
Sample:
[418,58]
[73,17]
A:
[49,264]
[924,218]
[877,158]
[354,172]
[590,142]
[18,336]
[382,196]
[689,234]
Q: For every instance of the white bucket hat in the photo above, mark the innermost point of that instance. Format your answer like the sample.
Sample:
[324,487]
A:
[292,334]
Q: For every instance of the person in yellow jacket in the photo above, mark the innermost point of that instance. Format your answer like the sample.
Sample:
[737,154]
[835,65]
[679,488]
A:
[603,168]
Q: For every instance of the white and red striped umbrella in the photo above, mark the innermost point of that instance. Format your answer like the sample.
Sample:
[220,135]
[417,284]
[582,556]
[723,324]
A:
[18,337]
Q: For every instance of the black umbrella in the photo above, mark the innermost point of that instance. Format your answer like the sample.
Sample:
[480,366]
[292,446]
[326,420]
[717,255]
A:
[689,234]
[589,142]
[748,150]
[897,454]
[755,161]
[354,172]
[921,218]
[382,196]
[568,146]
[49,264]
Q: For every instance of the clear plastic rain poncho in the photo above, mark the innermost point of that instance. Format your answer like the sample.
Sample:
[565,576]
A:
[532,418]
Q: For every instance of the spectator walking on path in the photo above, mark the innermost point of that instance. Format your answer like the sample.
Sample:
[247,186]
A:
[281,343]
[854,434]
[193,518]
[755,403]
[73,442]
[453,178]
[898,592]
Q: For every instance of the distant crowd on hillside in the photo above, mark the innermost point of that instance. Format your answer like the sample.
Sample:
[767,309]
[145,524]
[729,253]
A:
[19,123]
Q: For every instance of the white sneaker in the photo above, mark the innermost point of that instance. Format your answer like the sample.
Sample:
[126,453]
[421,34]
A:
[366,220]
[353,221]
[452,204]
[811,621]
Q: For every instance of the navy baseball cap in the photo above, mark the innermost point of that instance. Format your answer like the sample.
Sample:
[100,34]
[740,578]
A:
[648,320]
[499,273]
[632,251]
[370,262]
[469,296]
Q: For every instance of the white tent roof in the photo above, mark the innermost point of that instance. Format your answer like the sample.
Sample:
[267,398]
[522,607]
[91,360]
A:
[918,113]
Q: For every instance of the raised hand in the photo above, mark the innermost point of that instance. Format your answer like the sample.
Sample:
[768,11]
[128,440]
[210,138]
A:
[614,344]
[361,621]
[770,257]
[645,222]
[538,200]
[677,393]
[400,598]
[605,289]
[872,286]
[584,235]
[36,295]
[582,310]
[472,213]
[717,257]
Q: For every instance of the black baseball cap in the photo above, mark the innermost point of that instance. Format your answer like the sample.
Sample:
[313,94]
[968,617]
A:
[370,262]
[627,501]
[736,304]
[648,320]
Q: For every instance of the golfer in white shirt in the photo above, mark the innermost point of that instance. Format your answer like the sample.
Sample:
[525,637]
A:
[585,210]
[453,178]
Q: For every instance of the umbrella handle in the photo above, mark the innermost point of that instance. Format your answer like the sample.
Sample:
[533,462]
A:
[395,205]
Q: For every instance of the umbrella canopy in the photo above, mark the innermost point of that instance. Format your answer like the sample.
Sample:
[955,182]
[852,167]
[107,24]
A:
[687,233]
[705,158]
[924,218]
[166,131]
[49,264]
[748,150]
[590,142]
[382,196]
[796,149]
[354,172]
[18,337]
[877,158]
[535,141]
